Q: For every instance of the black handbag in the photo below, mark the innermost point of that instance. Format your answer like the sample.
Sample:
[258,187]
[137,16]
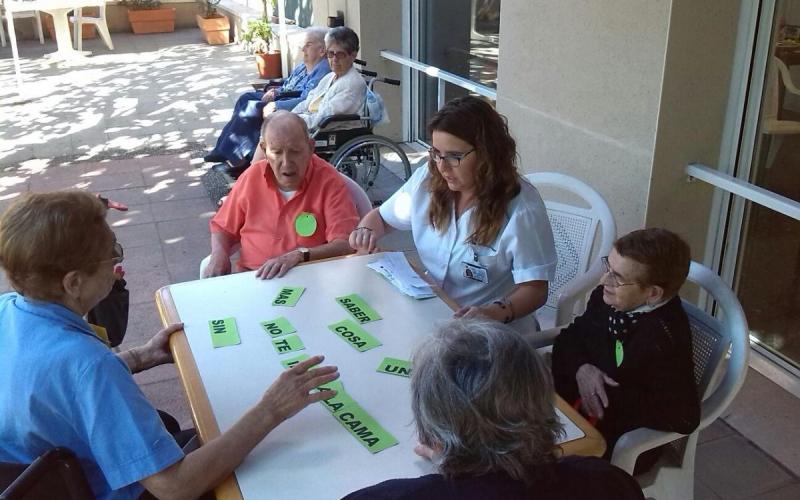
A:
[112,313]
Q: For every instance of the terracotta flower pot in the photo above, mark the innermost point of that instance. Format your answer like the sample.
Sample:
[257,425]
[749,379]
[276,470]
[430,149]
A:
[161,20]
[88,31]
[269,65]
[216,30]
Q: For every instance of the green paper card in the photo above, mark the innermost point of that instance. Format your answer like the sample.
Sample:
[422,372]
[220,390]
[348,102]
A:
[288,363]
[278,327]
[358,309]
[335,385]
[394,366]
[363,427]
[290,343]
[224,332]
[349,331]
[288,296]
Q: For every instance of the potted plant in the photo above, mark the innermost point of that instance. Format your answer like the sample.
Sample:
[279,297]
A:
[148,16]
[215,27]
[258,40]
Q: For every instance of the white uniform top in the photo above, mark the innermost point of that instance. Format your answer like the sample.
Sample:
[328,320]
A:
[523,250]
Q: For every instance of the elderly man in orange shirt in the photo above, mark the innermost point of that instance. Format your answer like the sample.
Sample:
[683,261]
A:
[289,208]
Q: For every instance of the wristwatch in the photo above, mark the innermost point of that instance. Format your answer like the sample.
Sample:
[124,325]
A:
[305,252]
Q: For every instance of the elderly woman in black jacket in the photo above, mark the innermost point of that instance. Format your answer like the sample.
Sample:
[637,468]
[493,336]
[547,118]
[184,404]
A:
[627,361]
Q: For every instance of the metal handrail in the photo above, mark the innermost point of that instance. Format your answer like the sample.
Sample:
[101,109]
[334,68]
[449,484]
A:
[746,190]
[441,76]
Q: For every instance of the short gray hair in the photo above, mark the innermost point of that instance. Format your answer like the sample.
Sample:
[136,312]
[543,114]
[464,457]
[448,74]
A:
[317,33]
[345,37]
[481,393]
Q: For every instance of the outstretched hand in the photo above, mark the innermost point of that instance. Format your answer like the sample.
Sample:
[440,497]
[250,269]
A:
[291,391]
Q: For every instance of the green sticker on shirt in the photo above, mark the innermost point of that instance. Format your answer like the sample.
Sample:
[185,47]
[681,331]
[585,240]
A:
[290,343]
[224,332]
[619,352]
[358,308]
[305,224]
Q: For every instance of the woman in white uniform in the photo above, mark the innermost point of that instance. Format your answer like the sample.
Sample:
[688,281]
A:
[481,230]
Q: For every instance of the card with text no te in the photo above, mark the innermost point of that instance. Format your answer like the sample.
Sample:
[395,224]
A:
[224,332]
[288,296]
[349,331]
[394,366]
[358,308]
[290,362]
[287,344]
[278,327]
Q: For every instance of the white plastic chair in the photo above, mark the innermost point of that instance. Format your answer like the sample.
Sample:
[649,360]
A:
[574,230]
[771,126]
[33,14]
[99,21]
[673,475]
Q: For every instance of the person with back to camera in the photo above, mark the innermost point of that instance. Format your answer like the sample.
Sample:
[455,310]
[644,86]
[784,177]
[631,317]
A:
[482,401]
[62,387]
[627,360]
[481,230]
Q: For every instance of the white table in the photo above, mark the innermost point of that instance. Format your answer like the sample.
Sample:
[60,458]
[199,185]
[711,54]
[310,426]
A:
[310,455]
[58,9]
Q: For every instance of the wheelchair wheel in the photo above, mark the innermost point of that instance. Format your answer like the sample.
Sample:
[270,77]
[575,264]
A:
[362,159]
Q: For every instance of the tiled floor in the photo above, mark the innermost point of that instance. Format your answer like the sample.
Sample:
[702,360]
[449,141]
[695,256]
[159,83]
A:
[133,126]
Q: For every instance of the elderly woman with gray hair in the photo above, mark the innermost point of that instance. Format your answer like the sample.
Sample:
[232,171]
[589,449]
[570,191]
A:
[483,406]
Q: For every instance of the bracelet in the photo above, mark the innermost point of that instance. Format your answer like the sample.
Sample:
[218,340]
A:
[505,305]
[364,227]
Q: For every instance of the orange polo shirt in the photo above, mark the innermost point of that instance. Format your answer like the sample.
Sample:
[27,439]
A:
[263,222]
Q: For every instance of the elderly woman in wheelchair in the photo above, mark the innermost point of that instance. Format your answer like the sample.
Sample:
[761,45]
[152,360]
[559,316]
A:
[627,361]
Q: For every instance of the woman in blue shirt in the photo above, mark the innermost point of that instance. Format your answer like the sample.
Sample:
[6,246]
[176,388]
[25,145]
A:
[63,387]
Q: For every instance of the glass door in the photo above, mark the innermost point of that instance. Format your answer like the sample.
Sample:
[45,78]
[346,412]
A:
[762,250]
[458,36]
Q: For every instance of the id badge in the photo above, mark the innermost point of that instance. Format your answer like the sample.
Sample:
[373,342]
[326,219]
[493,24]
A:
[475,272]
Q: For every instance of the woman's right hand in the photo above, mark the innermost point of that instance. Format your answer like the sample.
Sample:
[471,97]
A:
[291,391]
[363,240]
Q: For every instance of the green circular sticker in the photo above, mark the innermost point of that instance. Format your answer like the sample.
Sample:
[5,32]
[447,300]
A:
[305,224]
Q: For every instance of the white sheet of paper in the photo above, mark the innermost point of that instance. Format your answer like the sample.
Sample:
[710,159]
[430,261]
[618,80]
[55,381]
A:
[395,268]
[571,431]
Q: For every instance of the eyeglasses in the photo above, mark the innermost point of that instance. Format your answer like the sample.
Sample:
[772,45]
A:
[452,160]
[614,282]
[117,254]
[336,54]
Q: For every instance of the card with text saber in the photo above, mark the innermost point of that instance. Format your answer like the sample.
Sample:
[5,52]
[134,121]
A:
[358,308]
[224,332]
[349,331]
[288,296]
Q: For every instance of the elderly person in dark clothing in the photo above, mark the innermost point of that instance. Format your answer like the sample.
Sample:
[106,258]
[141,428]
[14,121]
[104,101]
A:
[627,361]
[483,405]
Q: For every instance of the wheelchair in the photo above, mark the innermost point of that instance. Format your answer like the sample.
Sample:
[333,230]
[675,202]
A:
[349,144]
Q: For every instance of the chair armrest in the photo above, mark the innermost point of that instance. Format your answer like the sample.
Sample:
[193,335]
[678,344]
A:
[289,94]
[633,443]
[576,290]
[544,338]
[264,86]
[337,118]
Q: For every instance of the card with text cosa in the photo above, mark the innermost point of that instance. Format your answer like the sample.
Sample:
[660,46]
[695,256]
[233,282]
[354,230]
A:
[349,331]
[224,332]
[288,296]
[358,308]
